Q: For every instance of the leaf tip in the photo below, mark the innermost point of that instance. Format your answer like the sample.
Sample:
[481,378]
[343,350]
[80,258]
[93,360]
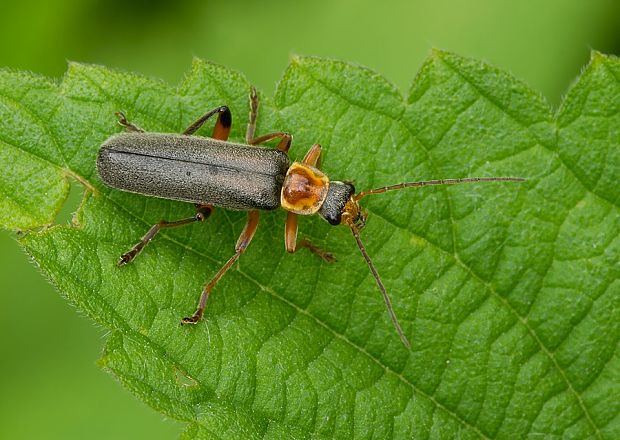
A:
[437,52]
[72,66]
[296,59]
[197,62]
[597,57]
[440,54]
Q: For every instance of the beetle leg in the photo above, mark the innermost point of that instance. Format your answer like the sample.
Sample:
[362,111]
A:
[284,144]
[285,138]
[313,156]
[202,213]
[292,245]
[122,120]
[290,232]
[249,134]
[221,130]
[242,243]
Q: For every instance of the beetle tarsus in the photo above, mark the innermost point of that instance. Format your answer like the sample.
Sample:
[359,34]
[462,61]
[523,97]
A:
[328,257]
[125,259]
[202,305]
[249,134]
[194,319]
[122,120]
[202,213]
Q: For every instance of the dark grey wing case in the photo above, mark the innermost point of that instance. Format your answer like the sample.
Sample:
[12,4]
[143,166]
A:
[194,169]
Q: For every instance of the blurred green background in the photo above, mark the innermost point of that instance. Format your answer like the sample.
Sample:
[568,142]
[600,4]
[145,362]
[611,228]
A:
[50,386]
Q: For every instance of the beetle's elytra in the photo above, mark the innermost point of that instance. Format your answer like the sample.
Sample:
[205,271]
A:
[194,169]
[212,172]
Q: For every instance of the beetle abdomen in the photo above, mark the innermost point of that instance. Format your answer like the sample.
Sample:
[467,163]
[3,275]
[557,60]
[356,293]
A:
[194,169]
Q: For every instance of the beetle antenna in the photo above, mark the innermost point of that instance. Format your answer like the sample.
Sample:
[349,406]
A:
[436,182]
[386,297]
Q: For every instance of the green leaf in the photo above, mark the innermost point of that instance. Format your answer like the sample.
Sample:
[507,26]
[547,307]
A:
[508,292]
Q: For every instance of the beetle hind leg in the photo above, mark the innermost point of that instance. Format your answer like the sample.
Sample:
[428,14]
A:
[202,213]
[242,243]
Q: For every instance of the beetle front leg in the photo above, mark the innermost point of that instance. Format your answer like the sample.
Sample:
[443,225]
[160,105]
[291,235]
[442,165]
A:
[242,243]
[202,213]
[292,245]
[311,158]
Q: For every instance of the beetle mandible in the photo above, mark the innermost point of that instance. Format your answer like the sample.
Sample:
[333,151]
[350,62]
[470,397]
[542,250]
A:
[213,172]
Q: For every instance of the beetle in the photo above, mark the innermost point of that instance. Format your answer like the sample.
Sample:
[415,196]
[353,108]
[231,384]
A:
[212,172]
